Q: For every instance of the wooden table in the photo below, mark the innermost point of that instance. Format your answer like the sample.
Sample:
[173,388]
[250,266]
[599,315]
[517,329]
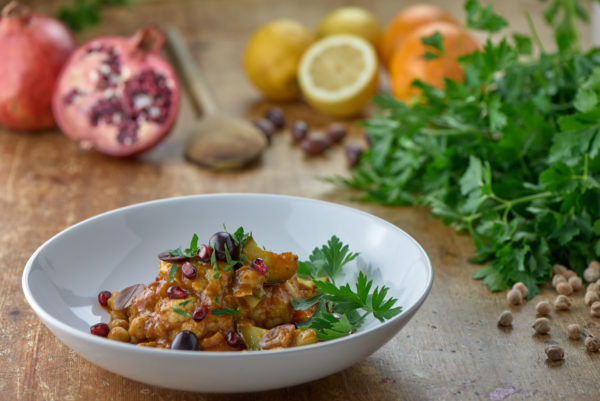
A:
[451,350]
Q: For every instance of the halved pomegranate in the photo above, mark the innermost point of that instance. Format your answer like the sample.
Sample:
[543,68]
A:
[118,95]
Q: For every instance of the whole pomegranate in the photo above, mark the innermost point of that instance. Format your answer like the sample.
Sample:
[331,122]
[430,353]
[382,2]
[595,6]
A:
[33,48]
[118,95]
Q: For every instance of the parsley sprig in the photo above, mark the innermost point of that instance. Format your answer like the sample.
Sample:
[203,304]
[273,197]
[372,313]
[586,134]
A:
[341,309]
[510,155]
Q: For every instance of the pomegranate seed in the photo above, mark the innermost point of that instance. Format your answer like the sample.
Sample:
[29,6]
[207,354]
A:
[200,313]
[103,297]
[299,130]
[234,340]
[259,265]
[204,253]
[100,329]
[189,270]
[175,292]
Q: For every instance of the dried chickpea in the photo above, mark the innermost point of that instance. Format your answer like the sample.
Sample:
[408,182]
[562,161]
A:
[118,333]
[593,287]
[543,308]
[569,273]
[592,273]
[118,323]
[554,352]
[136,328]
[559,269]
[592,344]
[562,302]
[558,278]
[595,309]
[514,297]
[575,283]
[564,288]
[590,297]
[574,331]
[541,325]
[505,319]
[522,288]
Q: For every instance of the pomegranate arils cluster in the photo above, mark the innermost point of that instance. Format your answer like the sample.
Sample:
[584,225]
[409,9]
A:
[148,96]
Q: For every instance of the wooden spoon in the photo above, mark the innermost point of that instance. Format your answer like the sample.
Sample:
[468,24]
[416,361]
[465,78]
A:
[217,141]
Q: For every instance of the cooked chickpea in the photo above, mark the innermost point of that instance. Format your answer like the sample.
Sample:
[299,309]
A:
[590,297]
[564,288]
[514,297]
[558,278]
[575,283]
[595,309]
[574,331]
[136,328]
[119,323]
[543,308]
[505,319]
[554,352]
[522,288]
[541,325]
[562,302]
[592,344]
[118,333]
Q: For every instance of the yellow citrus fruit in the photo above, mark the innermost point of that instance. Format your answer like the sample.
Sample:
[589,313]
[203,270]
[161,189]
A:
[408,62]
[272,55]
[338,75]
[352,21]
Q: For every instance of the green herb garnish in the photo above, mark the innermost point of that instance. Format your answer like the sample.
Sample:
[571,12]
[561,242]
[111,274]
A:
[224,311]
[181,311]
[173,272]
[510,155]
[341,309]
[187,301]
[84,13]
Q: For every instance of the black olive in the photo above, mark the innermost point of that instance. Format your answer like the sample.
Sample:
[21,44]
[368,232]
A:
[185,340]
[218,242]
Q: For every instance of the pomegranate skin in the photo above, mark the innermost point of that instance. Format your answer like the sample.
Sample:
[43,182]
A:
[118,95]
[33,49]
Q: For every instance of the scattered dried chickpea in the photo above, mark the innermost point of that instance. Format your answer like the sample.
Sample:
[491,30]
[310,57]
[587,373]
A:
[575,283]
[541,325]
[564,288]
[574,331]
[569,273]
[514,297]
[118,333]
[522,288]
[590,297]
[558,269]
[554,352]
[543,308]
[557,279]
[592,273]
[562,302]
[592,344]
[595,309]
[505,319]
[593,287]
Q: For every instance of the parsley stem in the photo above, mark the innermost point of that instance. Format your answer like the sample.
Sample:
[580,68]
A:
[534,33]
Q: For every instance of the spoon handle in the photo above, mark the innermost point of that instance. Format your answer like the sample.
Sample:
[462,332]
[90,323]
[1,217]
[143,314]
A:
[199,89]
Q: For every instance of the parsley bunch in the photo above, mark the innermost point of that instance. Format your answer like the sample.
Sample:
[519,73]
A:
[510,155]
[341,310]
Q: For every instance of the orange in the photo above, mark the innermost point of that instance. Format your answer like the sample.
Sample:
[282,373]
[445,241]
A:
[407,21]
[408,62]
[272,56]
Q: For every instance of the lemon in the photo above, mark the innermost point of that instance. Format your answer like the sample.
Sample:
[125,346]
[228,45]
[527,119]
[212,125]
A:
[338,75]
[352,21]
[272,55]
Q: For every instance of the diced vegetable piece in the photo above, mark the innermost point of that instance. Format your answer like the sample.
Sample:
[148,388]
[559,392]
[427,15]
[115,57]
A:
[282,266]
[305,337]
[251,335]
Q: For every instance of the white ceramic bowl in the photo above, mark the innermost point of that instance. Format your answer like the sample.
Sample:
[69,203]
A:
[116,249]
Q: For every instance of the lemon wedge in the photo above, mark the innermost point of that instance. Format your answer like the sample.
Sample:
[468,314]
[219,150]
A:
[338,75]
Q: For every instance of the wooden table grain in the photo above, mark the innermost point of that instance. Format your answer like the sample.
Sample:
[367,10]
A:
[451,350]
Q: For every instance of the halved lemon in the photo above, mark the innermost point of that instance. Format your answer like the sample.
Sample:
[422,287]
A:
[338,75]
